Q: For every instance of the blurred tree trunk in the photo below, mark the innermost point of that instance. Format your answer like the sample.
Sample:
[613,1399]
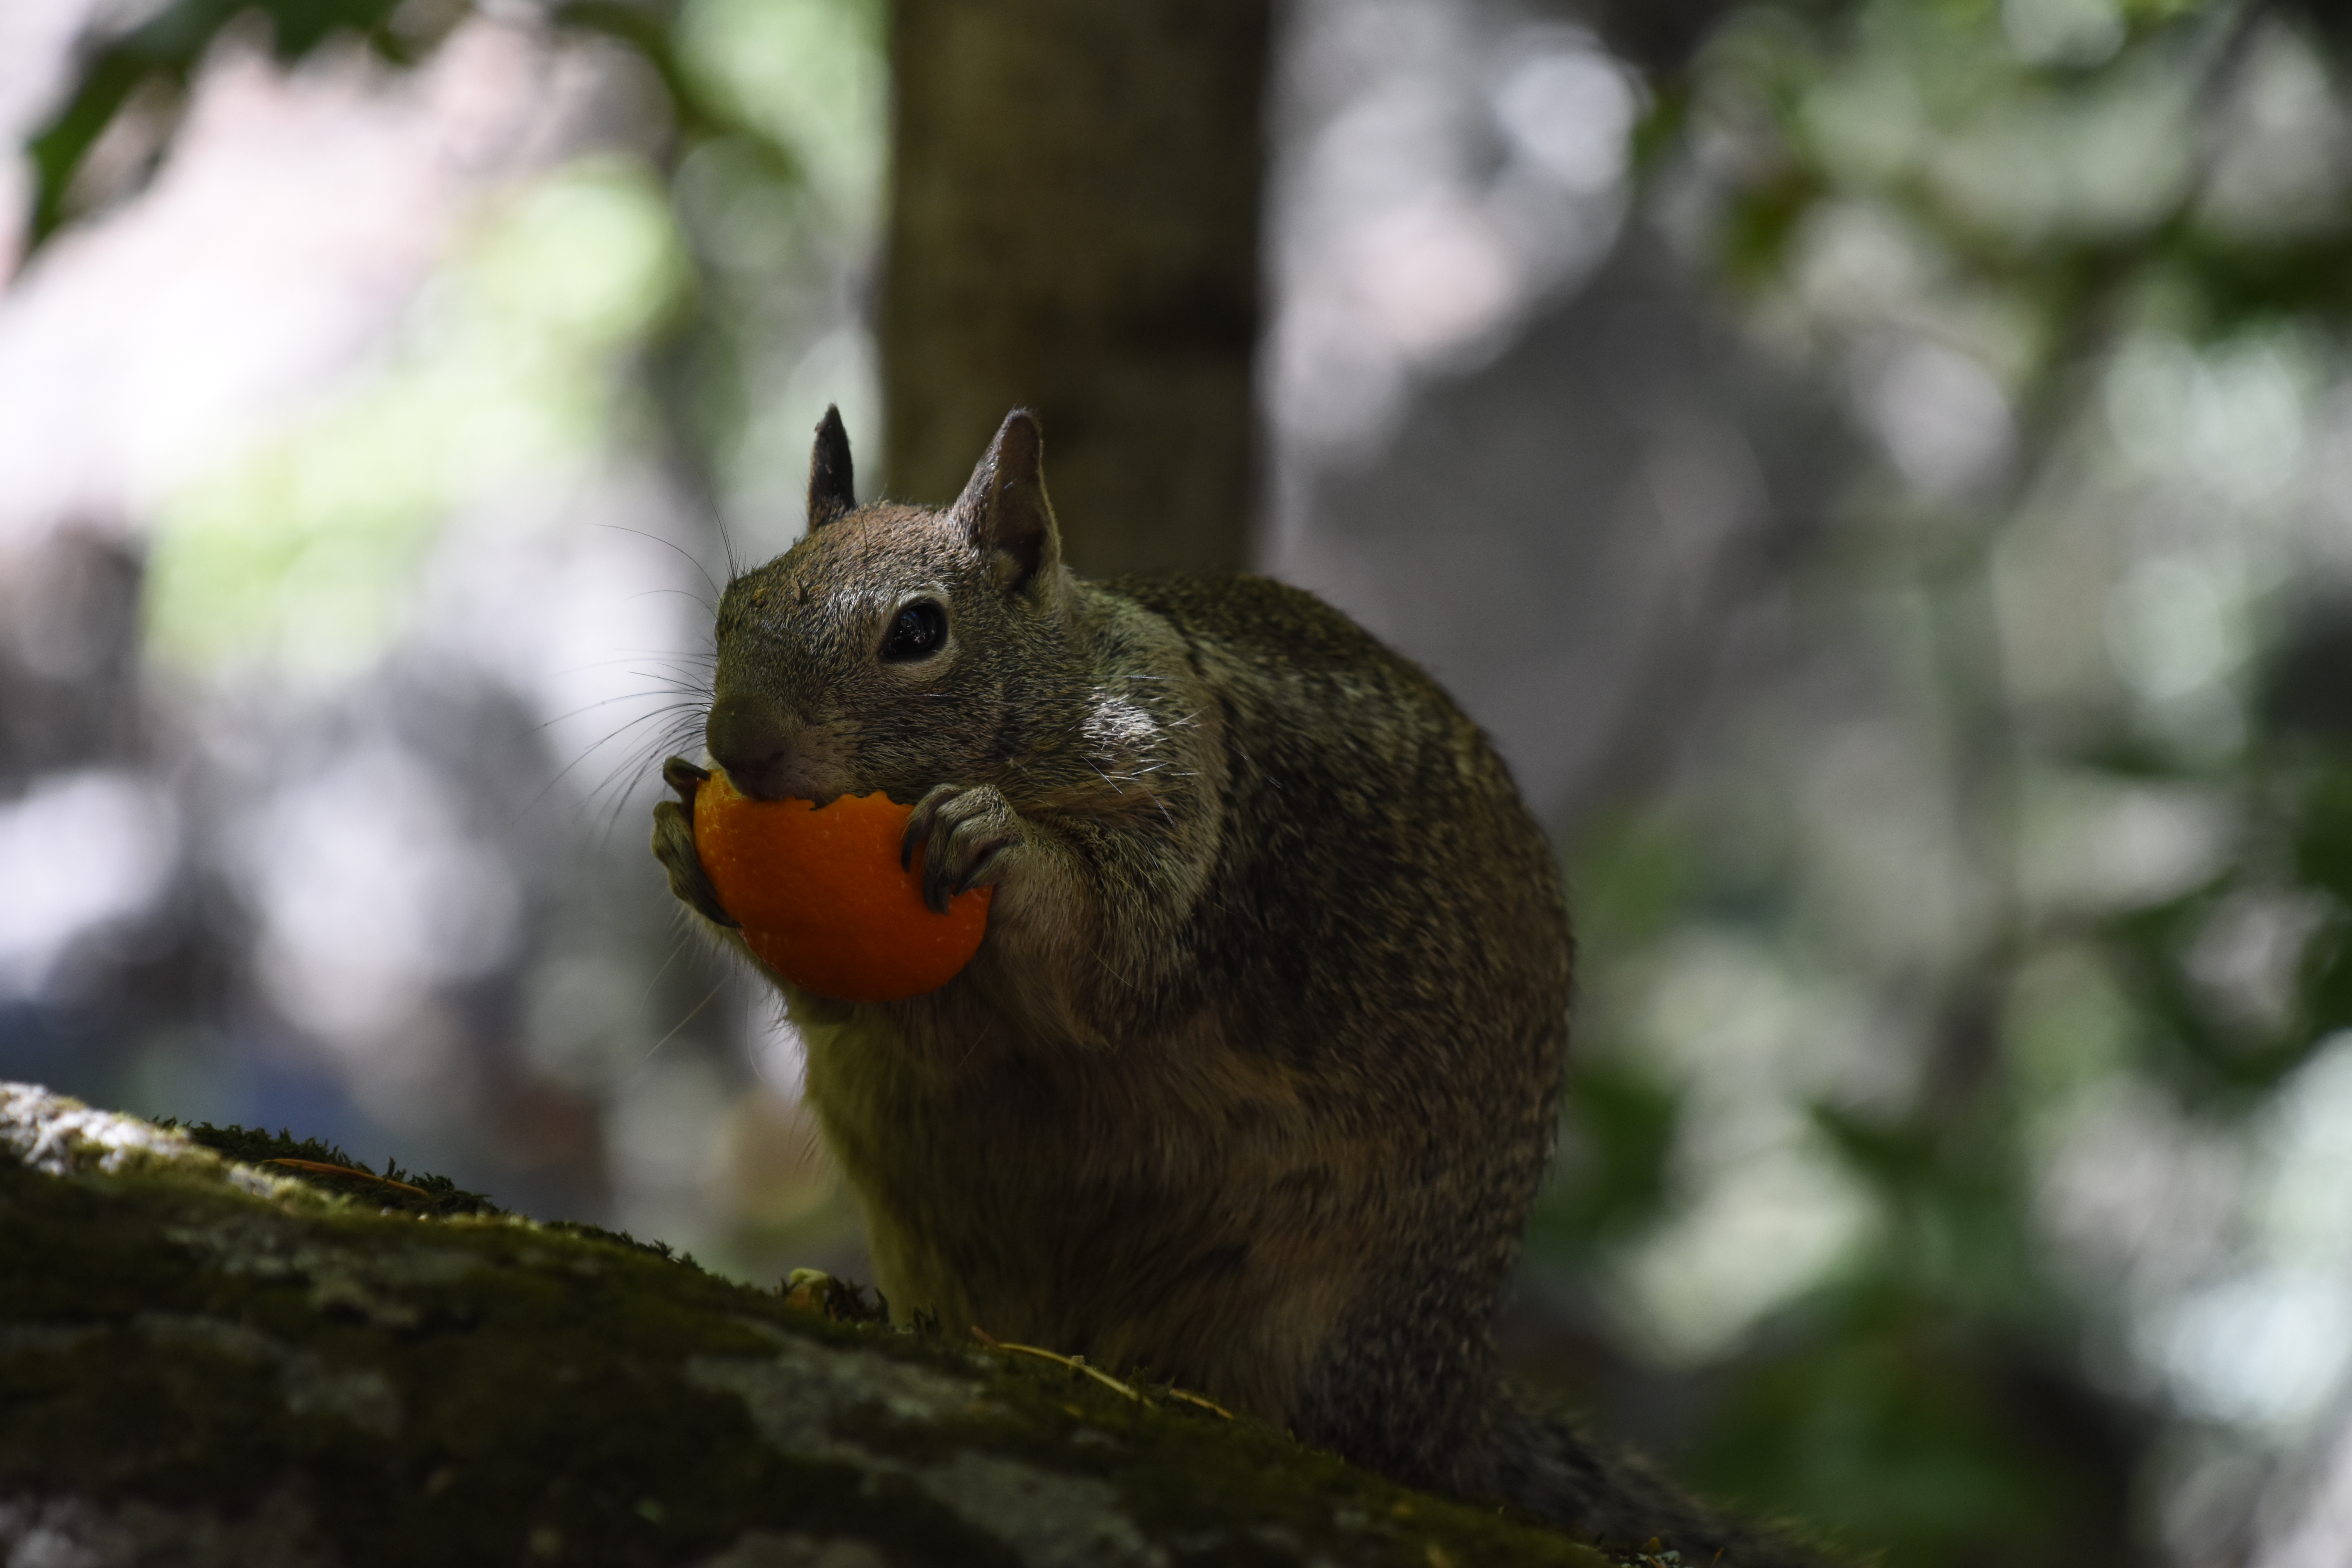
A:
[1075,228]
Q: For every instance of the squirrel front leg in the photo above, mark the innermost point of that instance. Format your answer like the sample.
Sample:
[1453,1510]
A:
[969,836]
[1042,925]
[674,844]
[1063,950]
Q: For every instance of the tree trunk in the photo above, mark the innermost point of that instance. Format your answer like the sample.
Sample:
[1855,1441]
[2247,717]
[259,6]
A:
[1075,228]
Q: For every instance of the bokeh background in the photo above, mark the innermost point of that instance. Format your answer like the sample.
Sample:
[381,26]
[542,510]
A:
[1881,468]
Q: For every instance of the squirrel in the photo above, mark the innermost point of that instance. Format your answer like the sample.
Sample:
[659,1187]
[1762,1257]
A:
[1251,1080]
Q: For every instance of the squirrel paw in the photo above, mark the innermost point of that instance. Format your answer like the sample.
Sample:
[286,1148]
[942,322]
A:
[674,844]
[967,833]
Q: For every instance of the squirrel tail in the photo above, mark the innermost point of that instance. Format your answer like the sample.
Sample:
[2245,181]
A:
[1544,1464]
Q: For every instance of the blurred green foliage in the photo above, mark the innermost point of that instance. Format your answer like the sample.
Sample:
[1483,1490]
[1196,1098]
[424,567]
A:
[600,305]
[305,550]
[150,67]
[2044,190]
[152,63]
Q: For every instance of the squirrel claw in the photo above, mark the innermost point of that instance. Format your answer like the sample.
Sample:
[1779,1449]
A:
[963,832]
[684,777]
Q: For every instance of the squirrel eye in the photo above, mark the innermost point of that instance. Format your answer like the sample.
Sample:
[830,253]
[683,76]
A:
[918,633]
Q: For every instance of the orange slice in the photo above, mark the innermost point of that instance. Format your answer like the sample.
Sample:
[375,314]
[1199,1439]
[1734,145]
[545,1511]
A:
[822,898]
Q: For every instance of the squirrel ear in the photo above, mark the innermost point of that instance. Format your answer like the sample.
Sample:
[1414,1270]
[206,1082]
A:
[1004,508]
[831,489]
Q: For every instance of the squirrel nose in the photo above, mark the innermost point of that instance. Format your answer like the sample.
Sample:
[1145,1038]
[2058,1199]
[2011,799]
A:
[751,739]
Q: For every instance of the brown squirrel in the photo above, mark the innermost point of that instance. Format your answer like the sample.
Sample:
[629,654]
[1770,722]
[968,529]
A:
[1252,1079]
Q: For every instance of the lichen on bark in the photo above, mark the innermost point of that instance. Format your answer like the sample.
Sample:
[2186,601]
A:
[204,1362]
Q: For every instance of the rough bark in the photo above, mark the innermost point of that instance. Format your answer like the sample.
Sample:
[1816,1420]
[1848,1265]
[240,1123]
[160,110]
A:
[205,1364]
[1075,227]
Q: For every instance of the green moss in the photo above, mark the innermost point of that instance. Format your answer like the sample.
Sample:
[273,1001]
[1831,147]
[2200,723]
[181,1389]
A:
[375,1386]
[326,1166]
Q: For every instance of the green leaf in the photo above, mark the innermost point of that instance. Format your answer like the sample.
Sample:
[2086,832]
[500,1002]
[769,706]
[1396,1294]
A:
[162,53]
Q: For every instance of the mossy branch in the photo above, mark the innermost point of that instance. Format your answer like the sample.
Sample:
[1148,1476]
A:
[203,1360]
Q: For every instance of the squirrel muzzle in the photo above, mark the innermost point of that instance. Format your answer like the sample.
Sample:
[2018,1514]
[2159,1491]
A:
[768,755]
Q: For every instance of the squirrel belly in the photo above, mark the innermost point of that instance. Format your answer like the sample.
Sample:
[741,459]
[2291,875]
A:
[1253,1076]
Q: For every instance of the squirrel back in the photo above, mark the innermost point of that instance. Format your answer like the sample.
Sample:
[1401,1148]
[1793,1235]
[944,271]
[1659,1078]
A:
[1252,1080]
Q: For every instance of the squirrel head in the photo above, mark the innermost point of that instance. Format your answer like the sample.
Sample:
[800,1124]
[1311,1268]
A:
[891,647]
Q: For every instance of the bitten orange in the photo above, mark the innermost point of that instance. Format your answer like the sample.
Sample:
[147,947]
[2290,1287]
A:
[822,898]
